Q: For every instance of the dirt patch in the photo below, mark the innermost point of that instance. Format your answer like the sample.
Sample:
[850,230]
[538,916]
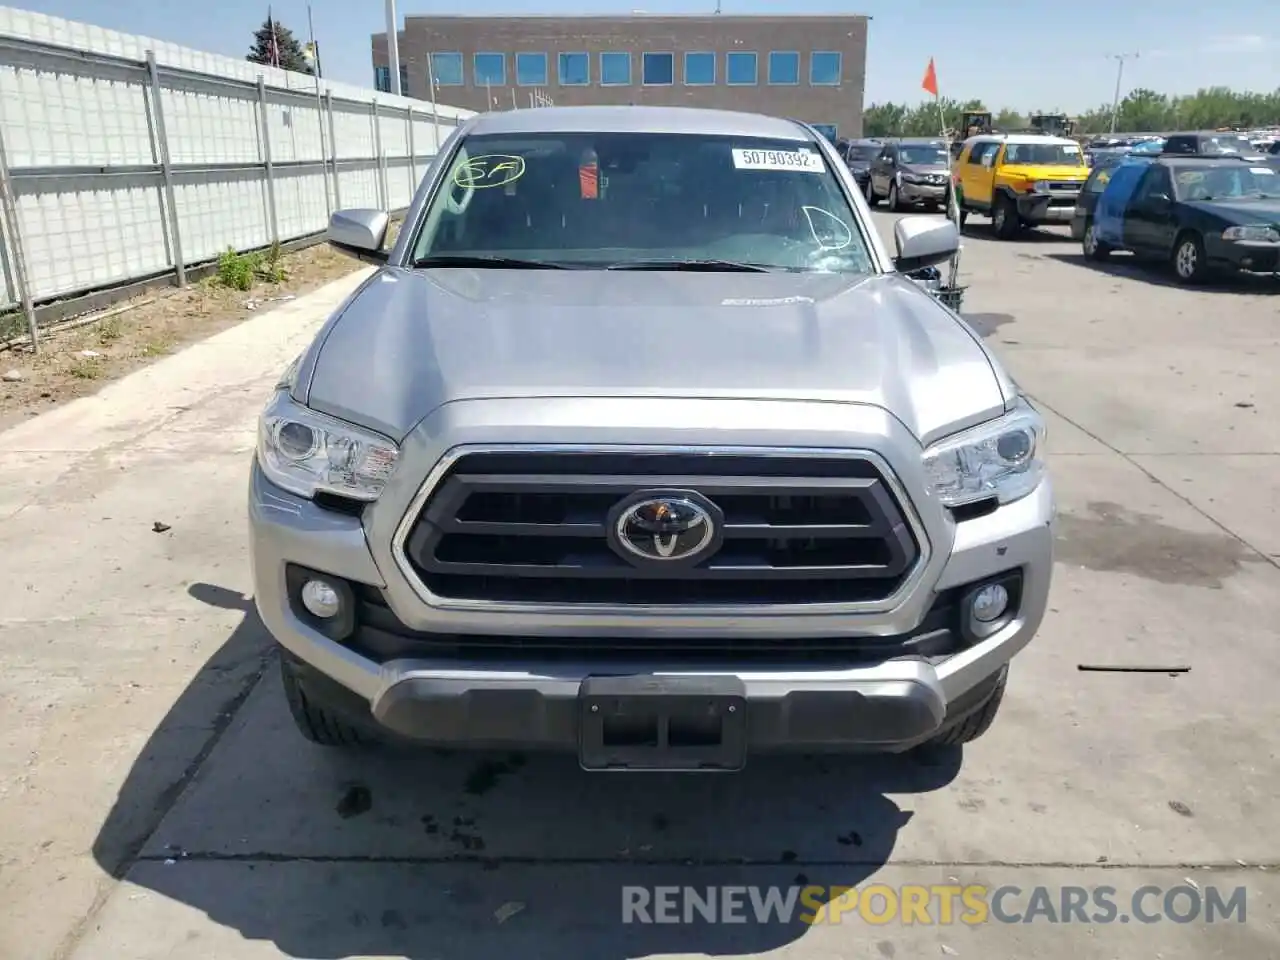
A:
[79,361]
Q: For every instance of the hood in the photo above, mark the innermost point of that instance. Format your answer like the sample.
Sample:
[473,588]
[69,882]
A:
[412,340]
[1241,211]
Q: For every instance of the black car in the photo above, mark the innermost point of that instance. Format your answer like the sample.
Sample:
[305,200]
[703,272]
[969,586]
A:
[857,155]
[1200,214]
[1210,143]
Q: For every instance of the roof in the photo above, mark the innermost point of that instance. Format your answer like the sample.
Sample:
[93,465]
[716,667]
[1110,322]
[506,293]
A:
[1195,160]
[627,119]
[1016,138]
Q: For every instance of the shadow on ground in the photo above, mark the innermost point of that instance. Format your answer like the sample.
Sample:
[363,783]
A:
[983,232]
[416,854]
[1159,275]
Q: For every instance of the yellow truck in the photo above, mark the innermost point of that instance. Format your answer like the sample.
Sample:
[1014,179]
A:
[1019,180]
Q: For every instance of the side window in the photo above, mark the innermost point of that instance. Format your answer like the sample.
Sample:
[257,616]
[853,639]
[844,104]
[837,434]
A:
[1179,145]
[1153,181]
[975,154]
[1097,181]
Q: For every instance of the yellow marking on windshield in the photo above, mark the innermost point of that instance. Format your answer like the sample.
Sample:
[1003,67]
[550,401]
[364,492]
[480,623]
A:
[489,170]
[1191,176]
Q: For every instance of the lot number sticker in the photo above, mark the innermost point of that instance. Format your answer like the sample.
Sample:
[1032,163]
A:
[801,161]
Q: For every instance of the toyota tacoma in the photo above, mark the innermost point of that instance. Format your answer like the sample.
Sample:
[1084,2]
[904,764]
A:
[639,443]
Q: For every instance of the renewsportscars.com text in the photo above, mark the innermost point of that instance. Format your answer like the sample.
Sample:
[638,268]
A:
[932,904]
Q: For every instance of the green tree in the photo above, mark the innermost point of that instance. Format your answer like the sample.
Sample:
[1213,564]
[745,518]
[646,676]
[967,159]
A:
[1141,111]
[286,52]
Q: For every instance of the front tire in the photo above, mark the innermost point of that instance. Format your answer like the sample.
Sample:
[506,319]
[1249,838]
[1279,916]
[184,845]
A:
[1094,249]
[895,205]
[1190,265]
[872,199]
[314,722]
[975,724]
[1004,219]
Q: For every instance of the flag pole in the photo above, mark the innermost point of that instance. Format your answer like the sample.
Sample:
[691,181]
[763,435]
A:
[930,84]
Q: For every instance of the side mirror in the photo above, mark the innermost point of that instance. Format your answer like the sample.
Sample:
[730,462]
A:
[359,233]
[923,242]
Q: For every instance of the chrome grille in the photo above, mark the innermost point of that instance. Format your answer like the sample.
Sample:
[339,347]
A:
[531,527]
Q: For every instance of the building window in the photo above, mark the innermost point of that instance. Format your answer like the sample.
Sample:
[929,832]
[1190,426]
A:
[740,69]
[699,69]
[574,69]
[784,68]
[615,69]
[531,69]
[824,68]
[659,69]
[489,69]
[446,68]
[382,80]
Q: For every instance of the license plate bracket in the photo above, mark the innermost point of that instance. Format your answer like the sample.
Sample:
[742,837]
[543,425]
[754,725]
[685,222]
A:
[659,723]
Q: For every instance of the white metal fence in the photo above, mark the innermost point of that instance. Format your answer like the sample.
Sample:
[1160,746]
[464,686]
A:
[123,157]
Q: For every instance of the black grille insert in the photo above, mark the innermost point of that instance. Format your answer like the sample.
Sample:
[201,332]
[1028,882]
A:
[517,527]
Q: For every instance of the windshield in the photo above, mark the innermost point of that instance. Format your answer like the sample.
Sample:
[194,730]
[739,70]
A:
[929,155]
[596,200]
[1149,147]
[867,152]
[1230,182]
[1227,143]
[1043,154]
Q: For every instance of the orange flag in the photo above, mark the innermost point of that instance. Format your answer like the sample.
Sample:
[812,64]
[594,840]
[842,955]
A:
[931,79]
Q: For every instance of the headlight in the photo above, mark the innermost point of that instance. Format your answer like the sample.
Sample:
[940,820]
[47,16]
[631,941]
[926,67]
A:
[1255,234]
[1040,186]
[1002,459]
[307,453]
[913,178]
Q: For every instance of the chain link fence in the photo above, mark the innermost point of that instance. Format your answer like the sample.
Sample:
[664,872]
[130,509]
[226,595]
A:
[125,159]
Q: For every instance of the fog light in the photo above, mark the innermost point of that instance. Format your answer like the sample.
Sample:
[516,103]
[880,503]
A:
[989,603]
[321,599]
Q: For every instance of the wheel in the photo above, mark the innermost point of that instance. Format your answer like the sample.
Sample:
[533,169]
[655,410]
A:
[1004,218]
[872,200]
[894,204]
[975,724]
[1189,262]
[313,721]
[1094,249]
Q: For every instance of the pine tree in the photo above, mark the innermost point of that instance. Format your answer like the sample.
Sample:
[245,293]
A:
[286,53]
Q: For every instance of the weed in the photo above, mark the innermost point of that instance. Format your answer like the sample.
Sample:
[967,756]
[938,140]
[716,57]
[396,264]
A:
[110,331]
[156,347]
[269,266]
[236,270]
[86,368]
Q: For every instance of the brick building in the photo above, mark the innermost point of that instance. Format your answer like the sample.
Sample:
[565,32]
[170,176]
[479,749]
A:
[810,67]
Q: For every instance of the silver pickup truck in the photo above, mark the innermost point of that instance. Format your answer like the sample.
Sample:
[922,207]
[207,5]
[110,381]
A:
[639,444]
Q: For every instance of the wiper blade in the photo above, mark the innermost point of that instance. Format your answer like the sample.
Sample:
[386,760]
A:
[497,263]
[706,266]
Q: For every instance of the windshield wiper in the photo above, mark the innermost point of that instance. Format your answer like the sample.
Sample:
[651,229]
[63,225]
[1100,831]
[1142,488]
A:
[706,266]
[496,263]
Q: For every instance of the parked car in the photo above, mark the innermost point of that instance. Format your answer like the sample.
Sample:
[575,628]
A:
[615,454]
[1200,214]
[858,156]
[1210,143]
[1099,176]
[909,171]
[1019,180]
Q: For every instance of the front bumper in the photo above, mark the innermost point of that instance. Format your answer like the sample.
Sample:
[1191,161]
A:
[1249,256]
[1043,208]
[922,192]
[533,701]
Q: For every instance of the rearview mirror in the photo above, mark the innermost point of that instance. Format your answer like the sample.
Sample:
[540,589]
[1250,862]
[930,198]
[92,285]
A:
[359,233]
[923,242]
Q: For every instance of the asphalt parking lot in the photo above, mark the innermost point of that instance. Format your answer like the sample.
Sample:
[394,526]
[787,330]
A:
[157,802]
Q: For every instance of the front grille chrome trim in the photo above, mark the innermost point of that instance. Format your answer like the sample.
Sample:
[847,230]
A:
[437,474]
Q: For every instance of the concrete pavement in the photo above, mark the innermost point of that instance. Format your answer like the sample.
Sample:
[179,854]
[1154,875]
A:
[145,735]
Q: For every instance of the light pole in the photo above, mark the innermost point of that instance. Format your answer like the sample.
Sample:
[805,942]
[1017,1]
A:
[1120,58]
[393,48]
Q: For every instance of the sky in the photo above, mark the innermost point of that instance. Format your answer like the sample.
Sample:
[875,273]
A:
[1025,54]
